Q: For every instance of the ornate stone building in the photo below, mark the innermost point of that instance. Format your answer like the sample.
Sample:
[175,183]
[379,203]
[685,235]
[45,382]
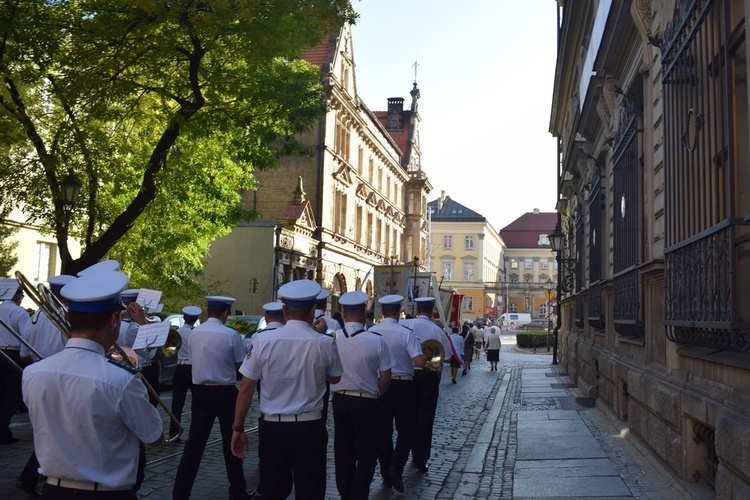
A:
[650,109]
[365,198]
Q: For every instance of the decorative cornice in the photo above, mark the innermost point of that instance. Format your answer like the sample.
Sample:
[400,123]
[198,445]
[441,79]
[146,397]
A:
[640,11]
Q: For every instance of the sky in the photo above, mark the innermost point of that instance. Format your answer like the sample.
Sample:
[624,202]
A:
[485,74]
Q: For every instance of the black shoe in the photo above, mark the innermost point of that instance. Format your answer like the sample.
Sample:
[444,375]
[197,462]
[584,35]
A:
[419,467]
[172,440]
[29,489]
[396,480]
[243,495]
[387,483]
[463,372]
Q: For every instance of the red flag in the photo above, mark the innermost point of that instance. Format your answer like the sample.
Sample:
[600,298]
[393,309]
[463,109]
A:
[455,308]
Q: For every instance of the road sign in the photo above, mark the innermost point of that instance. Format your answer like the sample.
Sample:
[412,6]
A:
[549,304]
[549,295]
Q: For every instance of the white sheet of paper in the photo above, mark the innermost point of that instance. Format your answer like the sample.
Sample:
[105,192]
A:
[148,298]
[151,335]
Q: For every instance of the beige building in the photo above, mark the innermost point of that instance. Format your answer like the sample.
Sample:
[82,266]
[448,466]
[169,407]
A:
[650,108]
[37,252]
[530,269]
[363,190]
[466,255]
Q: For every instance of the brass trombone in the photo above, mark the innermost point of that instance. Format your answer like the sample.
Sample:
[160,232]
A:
[56,312]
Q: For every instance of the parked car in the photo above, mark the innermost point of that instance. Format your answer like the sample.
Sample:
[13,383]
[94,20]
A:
[246,325]
[168,363]
[536,324]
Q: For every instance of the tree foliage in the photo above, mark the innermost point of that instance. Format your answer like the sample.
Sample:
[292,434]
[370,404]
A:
[162,110]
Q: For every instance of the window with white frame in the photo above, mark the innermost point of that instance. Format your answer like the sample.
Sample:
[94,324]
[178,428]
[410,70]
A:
[42,260]
[543,309]
[447,271]
[469,242]
[448,241]
[513,264]
[469,271]
[513,307]
[543,264]
[528,263]
[467,305]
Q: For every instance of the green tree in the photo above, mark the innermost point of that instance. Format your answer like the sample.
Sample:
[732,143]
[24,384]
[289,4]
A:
[162,109]
[8,247]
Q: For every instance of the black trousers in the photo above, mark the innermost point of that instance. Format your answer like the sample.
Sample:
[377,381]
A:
[10,392]
[292,452]
[355,444]
[209,403]
[151,374]
[397,404]
[58,493]
[426,392]
[182,380]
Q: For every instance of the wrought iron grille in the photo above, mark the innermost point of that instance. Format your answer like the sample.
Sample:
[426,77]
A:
[703,46]
[627,173]
[580,251]
[579,311]
[596,215]
[596,307]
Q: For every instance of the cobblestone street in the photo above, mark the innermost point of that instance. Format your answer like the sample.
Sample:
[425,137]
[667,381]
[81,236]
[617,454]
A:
[521,432]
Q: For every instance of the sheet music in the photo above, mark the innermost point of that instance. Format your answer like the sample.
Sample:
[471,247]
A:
[151,335]
[149,299]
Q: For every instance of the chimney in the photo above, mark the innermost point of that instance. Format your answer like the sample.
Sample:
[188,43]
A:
[536,211]
[395,122]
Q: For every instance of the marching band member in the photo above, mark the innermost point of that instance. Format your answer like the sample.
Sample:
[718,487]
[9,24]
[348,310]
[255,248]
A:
[10,379]
[426,383]
[398,403]
[274,312]
[215,352]
[46,339]
[88,414]
[293,362]
[367,362]
[43,335]
[133,317]
[320,312]
[182,380]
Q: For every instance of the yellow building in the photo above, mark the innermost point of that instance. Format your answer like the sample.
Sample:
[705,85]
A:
[466,254]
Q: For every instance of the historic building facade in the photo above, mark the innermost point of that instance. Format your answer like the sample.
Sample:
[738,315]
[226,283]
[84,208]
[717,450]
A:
[466,253]
[363,188]
[529,266]
[650,110]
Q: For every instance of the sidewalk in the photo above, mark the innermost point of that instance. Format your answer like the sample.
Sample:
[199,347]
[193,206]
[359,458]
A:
[520,432]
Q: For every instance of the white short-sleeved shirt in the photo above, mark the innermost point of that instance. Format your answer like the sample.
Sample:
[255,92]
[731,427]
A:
[425,329]
[215,350]
[332,324]
[458,344]
[478,334]
[88,415]
[44,337]
[184,353]
[17,318]
[403,344]
[292,362]
[364,354]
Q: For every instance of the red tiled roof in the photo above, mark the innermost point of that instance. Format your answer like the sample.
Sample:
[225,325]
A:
[319,55]
[524,232]
[293,212]
[401,138]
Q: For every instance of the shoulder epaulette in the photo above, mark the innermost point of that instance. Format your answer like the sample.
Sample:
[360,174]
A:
[129,368]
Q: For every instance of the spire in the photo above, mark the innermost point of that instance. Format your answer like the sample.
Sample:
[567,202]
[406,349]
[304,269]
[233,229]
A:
[299,193]
[415,91]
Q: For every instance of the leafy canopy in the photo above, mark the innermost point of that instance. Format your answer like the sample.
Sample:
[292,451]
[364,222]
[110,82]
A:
[161,109]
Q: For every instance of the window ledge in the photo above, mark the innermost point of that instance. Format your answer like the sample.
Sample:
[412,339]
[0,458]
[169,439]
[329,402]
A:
[716,356]
[632,340]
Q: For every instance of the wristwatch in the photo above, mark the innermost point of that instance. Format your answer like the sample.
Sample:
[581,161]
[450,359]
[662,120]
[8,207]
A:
[238,428]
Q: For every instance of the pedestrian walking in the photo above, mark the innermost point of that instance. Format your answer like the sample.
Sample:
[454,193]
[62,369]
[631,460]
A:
[17,318]
[456,361]
[294,362]
[478,333]
[468,346]
[366,360]
[215,351]
[493,347]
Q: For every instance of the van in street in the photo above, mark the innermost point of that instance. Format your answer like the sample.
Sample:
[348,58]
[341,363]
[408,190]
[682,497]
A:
[514,320]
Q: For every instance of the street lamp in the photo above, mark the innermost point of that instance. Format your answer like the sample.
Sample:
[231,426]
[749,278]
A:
[557,242]
[549,309]
[69,190]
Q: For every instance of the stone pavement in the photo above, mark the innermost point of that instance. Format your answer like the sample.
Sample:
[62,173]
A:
[521,432]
